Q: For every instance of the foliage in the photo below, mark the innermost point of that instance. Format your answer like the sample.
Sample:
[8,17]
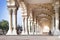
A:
[4,25]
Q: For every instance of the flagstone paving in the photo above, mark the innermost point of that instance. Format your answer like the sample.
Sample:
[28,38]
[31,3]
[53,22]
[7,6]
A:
[29,37]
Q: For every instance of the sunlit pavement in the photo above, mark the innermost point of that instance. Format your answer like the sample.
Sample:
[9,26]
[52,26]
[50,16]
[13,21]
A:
[29,37]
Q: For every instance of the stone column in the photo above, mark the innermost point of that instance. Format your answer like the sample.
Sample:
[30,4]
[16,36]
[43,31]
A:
[39,29]
[14,21]
[23,26]
[26,26]
[10,23]
[52,24]
[29,24]
[35,27]
[56,18]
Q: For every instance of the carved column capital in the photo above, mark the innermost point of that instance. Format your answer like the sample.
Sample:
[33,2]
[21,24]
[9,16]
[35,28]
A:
[14,11]
[10,11]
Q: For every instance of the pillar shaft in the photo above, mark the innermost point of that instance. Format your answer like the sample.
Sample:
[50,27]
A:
[10,23]
[52,24]
[56,32]
[10,20]
[36,26]
[26,26]
[14,21]
[56,18]
[23,24]
[33,27]
[29,24]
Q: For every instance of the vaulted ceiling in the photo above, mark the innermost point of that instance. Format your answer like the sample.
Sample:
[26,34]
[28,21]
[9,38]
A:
[42,9]
[38,1]
[44,12]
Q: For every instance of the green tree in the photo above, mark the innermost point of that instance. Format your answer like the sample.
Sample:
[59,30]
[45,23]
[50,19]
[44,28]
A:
[4,25]
[0,25]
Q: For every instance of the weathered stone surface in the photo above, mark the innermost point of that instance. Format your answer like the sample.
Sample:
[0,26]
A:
[29,38]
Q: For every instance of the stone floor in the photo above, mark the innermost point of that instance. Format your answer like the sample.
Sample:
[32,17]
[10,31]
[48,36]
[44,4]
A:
[29,37]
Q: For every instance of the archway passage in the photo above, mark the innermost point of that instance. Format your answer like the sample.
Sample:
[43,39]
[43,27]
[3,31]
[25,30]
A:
[39,16]
[44,19]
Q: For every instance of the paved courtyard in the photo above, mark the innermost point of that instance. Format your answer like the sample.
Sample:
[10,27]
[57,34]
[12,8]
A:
[29,38]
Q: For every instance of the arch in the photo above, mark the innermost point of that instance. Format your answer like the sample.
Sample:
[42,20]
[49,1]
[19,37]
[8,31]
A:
[37,11]
[23,8]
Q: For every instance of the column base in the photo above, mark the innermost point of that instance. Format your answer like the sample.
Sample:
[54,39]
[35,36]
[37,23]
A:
[35,33]
[52,31]
[56,32]
[30,33]
[24,33]
[39,33]
[9,32]
[14,32]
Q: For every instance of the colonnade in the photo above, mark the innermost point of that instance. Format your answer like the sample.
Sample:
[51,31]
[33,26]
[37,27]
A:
[30,25]
[34,25]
